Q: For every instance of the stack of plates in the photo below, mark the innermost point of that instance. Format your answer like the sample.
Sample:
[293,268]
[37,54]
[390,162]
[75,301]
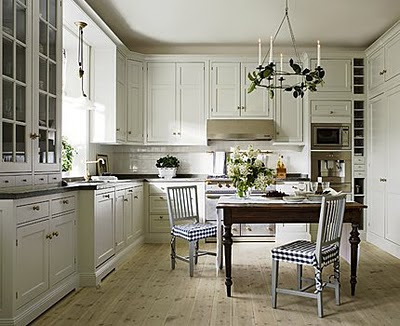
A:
[293,199]
[315,198]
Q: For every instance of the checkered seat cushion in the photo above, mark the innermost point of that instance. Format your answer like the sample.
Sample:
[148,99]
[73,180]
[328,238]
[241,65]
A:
[194,231]
[303,252]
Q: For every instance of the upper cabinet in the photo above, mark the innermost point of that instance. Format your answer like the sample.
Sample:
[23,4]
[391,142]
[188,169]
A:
[176,103]
[229,97]
[31,85]
[338,75]
[135,102]
[121,110]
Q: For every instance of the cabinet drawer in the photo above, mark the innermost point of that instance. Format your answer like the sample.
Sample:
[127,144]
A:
[359,160]
[64,204]
[7,181]
[257,229]
[158,189]
[23,180]
[40,179]
[54,178]
[34,211]
[331,108]
[359,174]
[159,223]
[359,167]
[158,204]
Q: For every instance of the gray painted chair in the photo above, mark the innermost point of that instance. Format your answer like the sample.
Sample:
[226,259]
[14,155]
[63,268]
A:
[320,254]
[183,212]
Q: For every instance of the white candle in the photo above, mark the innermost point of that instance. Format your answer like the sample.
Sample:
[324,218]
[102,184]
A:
[270,49]
[281,62]
[259,52]
[318,54]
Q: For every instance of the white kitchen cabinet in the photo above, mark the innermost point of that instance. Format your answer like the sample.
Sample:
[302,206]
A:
[135,102]
[331,111]
[121,125]
[229,96]
[392,54]
[338,75]
[137,212]
[376,69]
[175,103]
[119,227]
[288,116]
[104,227]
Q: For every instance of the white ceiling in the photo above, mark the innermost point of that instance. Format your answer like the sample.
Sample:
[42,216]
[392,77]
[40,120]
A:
[142,24]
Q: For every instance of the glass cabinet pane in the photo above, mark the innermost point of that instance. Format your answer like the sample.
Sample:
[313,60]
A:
[53,12]
[52,78]
[21,63]
[43,9]
[8,57]
[20,155]
[8,100]
[42,146]
[43,37]
[43,74]
[20,107]
[51,155]
[42,110]
[8,16]
[52,44]
[8,140]
[52,112]
[21,23]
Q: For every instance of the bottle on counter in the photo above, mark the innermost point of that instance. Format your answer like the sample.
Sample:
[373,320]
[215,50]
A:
[319,187]
[280,168]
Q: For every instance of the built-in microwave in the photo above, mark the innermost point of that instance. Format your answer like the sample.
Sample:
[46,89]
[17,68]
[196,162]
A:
[330,136]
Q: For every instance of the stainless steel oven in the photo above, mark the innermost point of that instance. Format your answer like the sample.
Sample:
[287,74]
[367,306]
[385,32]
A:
[217,187]
[332,166]
[330,136]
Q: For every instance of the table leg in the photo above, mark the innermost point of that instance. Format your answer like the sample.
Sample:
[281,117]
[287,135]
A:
[228,257]
[354,241]
[219,240]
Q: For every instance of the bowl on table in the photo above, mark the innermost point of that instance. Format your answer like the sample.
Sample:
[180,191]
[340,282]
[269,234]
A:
[293,199]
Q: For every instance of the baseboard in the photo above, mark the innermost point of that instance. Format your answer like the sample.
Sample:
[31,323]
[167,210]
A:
[384,244]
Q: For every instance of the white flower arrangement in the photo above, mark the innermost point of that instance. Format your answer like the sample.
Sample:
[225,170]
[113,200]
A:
[247,171]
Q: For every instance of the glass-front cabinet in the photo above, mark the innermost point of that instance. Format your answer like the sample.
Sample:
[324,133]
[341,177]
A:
[47,86]
[30,90]
[16,86]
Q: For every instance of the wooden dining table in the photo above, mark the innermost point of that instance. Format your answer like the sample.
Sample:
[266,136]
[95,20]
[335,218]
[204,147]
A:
[233,210]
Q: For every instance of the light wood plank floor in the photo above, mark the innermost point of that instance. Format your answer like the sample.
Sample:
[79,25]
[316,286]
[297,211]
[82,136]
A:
[144,291]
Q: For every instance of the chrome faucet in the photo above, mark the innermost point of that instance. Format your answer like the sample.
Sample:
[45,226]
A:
[87,176]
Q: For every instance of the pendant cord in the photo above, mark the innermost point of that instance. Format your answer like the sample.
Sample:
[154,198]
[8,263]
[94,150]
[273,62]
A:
[80,59]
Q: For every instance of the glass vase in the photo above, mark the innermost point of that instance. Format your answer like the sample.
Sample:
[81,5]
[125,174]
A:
[243,192]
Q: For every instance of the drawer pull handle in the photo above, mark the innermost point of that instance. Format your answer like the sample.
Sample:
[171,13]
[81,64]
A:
[24,180]
[161,217]
[248,228]
[65,201]
[36,208]
[234,229]
[54,178]
[382,180]
[6,181]
[55,233]
[49,236]
[130,190]
[135,197]
[106,196]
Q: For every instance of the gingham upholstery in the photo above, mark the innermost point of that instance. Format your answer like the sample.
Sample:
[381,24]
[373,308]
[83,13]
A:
[303,252]
[194,231]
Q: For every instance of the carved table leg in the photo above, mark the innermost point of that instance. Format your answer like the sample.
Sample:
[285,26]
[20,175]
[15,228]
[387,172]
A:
[354,241]
[228,257]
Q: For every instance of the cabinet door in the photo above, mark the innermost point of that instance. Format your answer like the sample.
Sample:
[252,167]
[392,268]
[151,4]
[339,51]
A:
[47,68]
[225,90]
[191,126]
[161,108]
[288,116]
[392,54]
[128,216]
[121,98]
[378,165]
[257,104]
[119,220]
[16,83]
[135,102]
[32,261]
[392,225]
[338,75]
[330,111]
[138,212]
[62,247]
[375,69]
[104,228]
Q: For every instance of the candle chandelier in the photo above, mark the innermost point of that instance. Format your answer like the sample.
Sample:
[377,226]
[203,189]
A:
[81,25]
[269,77]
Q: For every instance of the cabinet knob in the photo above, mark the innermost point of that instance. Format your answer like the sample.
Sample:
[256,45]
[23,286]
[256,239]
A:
[161,217]
[179,133]
[55,233]
[118,129]
[126,199]
[331,112]
[174,133]
[135,197]
[34,135]
[129,132]
[106,196]
[248,228]
[238,107]
[244,108]
[234,229]
[49,236]
[130,190]
[382,180]
[65,201]
[36,208]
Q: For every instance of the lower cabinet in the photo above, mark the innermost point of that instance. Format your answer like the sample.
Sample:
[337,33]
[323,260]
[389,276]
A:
[38,255]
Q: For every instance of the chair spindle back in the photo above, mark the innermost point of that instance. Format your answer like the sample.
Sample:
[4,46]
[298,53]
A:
[182,204]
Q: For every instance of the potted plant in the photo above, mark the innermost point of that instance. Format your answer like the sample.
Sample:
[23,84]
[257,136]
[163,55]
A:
[167,166]
[67,155]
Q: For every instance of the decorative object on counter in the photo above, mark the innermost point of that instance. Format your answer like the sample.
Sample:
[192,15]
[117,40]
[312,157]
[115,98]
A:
[167,166]
[247,171]
[102,167]
[67,155]
[310,79]
[280,168]
[275,194]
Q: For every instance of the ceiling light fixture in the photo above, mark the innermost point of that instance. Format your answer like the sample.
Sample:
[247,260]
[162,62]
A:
[272,79]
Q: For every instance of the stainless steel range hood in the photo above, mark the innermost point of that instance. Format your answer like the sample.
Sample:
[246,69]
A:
[230,129]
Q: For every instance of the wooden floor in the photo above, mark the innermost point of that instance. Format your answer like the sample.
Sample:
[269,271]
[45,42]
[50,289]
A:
[144,291]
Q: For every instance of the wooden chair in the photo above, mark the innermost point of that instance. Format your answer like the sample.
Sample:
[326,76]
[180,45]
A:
[320,254]
[183,212]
